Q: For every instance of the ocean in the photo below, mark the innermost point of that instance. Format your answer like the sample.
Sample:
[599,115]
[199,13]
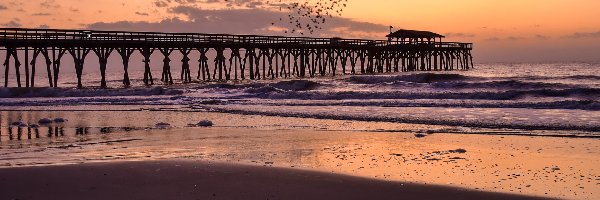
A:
[556,96]
[506,127]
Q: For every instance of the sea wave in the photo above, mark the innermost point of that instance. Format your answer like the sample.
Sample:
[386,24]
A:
[72,92]
[404,115]
[506,84]
[591,105]
[578,77]
[266,93]
[414,78]
[284,86]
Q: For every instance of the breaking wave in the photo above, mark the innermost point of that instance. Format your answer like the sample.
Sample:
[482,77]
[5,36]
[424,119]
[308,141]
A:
[568,104]
[72,92]
[368,114]
[508,84]
[413,78]
[284,86]
[273,93]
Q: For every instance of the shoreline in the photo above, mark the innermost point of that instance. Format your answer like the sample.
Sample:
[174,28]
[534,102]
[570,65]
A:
[543,166]
[479,130]
[185,179]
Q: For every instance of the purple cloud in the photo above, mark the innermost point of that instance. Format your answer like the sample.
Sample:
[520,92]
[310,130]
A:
[460,35]
[241,21]
[12,24]
[579,35]
[541,37]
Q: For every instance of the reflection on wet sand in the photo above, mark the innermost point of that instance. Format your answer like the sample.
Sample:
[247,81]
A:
[555,167]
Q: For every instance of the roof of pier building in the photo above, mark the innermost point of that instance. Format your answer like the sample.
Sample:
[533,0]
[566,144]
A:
[404,33]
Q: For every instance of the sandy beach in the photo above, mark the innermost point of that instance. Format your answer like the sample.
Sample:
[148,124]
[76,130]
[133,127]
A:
[360,153]
[182,179]
[299,99]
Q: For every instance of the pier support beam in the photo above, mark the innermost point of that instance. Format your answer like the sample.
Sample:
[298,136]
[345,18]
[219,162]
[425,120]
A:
[353,61]
[125,55]
[57,54]
[26,66]
[12,52]
[220,63]
[186,76]
[6,65]
[203,64]
[166,73]
[146,53]
[79,55]
[36,52]
[17,66]
[235,61]
[103,54]
[249,59]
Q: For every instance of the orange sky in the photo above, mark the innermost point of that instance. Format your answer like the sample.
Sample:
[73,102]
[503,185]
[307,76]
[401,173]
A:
[502,30]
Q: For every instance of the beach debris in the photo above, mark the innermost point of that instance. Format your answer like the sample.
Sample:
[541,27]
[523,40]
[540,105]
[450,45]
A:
[162,125]
[205,123]
[45,121]
[213,102]
[105,130]
[419,135]
[296,85]
[458,151]
[59,120]
[426,131]
[18,123]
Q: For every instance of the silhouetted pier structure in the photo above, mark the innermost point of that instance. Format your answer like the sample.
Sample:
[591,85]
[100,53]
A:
[228,57]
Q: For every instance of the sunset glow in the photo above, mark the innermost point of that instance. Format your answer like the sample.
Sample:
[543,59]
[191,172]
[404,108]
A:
[535,26]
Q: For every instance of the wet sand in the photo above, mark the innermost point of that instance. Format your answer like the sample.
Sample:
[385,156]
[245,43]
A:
[522,165]
[181,179]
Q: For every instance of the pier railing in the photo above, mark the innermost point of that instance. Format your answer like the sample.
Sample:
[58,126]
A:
[89,35]
[232,57]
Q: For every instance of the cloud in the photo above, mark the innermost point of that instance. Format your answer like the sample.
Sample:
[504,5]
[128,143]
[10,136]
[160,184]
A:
[579,35]
[141,13]
[41,14]
[48,4]
[240,3]
[510,38]
[187,1]
[43,26]
[161,4]
[460,35]
[3,7]
[514,38]
[541,37]
[492,39]
[242,21]
[12,24]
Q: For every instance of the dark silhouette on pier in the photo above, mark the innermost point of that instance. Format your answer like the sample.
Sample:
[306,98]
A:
[232,57]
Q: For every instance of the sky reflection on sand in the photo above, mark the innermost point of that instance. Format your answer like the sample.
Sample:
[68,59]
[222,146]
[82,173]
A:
[559,167]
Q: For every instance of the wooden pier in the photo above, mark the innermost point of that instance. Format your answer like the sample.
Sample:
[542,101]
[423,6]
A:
[225,57]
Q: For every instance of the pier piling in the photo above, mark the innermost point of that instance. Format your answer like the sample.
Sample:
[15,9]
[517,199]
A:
[234,57]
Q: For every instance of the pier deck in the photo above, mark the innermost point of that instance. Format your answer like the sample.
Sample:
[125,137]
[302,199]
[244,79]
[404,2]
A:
[224,57]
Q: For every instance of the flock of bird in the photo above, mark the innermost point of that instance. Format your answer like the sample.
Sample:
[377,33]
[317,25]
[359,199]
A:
[303,16]
[308,16]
